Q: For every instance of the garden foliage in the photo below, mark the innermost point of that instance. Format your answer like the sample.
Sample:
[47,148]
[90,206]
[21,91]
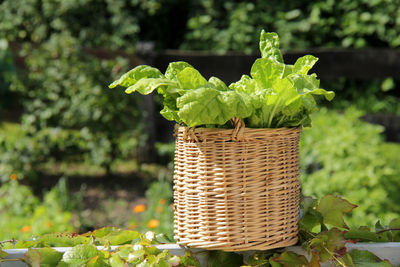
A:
[233,25]
[23,215]
[341,154]
[66,115]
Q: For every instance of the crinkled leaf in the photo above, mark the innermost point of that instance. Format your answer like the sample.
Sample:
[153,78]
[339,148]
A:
[44,257]
[134,75]
[148,85]
[333,208]
[291,259]
[174,68]
[80,255]
[210,106]
[309,84]
[363,258]
[246,85]
[219,258]
[304,64]
[265,71]
[219,84]
[269,46]
[328,243]
[190,78]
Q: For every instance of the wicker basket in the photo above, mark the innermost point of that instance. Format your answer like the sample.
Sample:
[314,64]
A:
[236,189]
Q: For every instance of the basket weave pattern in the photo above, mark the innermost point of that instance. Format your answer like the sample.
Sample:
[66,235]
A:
[236,189]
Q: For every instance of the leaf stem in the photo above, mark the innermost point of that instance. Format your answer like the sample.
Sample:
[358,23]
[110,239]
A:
[386,230]
[8,241]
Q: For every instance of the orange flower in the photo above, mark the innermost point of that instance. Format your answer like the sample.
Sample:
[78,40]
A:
[159,209]
[49,224]
[25,229]
[132,225]
[139,208]
[153,223]
[162,201]
[13,177]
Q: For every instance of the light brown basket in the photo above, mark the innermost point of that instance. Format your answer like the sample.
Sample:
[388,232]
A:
[236,189]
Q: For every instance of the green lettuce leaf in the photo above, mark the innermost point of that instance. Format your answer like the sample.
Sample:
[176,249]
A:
[174,68]
[210,106]
[135,74]
[269,46]
[265,71]
[304,64]
[148,85]
[190,78]
[219,84]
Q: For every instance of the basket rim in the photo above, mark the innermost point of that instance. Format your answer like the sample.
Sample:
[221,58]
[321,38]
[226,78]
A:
[182,128]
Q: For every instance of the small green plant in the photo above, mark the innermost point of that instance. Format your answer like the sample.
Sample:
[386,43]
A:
[323,233]
[276,94]
[133,249]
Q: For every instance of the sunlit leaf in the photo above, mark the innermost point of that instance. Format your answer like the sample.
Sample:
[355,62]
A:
[333,208]
[44,257]
[119,237]
[117,261]
[133,76]
[80,255]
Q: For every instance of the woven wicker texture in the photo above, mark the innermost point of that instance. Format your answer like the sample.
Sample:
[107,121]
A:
[236,189]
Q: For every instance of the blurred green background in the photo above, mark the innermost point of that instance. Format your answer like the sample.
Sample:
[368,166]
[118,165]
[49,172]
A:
[71,151]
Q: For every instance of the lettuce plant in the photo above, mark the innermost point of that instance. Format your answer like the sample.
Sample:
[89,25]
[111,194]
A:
[274,95]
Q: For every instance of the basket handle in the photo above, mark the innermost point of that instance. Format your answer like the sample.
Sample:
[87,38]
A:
[238,132]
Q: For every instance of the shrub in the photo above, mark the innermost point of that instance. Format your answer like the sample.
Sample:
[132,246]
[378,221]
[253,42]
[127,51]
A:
[66,113]
[342,154]
[234,25]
